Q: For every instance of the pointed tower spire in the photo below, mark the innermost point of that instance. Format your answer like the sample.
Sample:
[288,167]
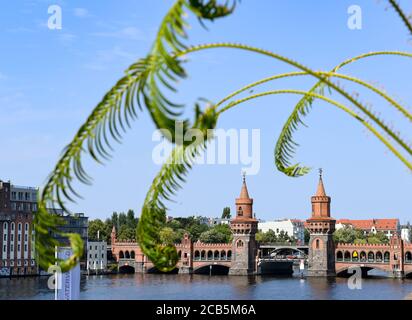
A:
[320,201]
[321,189]
[244,204]
[244,194]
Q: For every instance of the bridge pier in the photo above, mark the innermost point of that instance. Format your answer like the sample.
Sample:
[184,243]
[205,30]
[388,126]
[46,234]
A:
[185,270]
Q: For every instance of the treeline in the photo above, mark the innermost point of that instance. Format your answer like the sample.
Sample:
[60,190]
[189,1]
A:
[175,229]
[172,231]
[125,223]
[273,237]
[356,236]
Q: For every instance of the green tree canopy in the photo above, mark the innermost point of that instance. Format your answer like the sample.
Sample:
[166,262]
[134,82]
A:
[226,213]
[95,226]
[218,234]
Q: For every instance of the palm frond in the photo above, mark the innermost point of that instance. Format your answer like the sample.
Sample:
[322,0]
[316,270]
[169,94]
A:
[164,186]
[113,115]
[286,146]
[349,111]
[406,20]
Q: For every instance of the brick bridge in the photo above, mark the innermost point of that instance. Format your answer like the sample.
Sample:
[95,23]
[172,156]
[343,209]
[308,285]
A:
[194,257]
[244,256]
[394,258]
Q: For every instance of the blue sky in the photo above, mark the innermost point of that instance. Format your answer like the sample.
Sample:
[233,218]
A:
[51,79]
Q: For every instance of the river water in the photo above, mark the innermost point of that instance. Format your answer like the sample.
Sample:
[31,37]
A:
[204,287]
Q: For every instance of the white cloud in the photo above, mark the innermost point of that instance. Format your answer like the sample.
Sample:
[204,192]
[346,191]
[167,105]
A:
[131,33]
[81,12]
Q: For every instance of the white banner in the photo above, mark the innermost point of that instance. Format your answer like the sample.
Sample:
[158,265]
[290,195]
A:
[70,286]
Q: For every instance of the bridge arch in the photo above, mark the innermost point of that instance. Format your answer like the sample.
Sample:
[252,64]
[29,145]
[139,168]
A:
[408,257]
[362,256]
[223,255]
[379,256]
[371,256]
[196,255]
[339,256]
[387,256]
[121,254]
[132,254]
[355,255]
[127,254]
[154,270]
[210,255]
[213,269]
[203,255]
[344,272]
[347,256]
[126,269]
[216,255]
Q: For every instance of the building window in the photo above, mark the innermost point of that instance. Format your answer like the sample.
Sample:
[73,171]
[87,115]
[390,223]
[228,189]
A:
[18,237]
[34,207]
[19,226]
[26,227]
[18,248]
[25,248]
[13,195]
[21,196]
[13,206]
[12,237]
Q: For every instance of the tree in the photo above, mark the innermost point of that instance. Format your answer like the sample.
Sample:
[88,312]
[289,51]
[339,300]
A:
[126,233]
[168,236]
[95,226]
[306,236]
[218,234]
[347,234]
[378,238]
[144,85]
[226,213]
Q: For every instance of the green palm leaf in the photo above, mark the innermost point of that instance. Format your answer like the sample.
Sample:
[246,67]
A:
[113,115]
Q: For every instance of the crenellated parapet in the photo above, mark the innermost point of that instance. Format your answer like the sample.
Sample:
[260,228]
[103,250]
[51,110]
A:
[202,245]
[361,246]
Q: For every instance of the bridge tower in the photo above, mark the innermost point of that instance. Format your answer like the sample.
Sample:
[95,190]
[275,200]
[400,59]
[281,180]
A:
[321,227]
[186,258]
[244,228]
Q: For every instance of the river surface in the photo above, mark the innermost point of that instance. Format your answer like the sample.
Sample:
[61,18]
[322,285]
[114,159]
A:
[204,287]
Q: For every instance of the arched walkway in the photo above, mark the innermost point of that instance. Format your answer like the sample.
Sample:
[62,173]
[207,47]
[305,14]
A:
[408,257]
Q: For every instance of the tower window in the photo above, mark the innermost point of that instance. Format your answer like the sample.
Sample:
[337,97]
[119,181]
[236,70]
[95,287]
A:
[240,211]
[317,244]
